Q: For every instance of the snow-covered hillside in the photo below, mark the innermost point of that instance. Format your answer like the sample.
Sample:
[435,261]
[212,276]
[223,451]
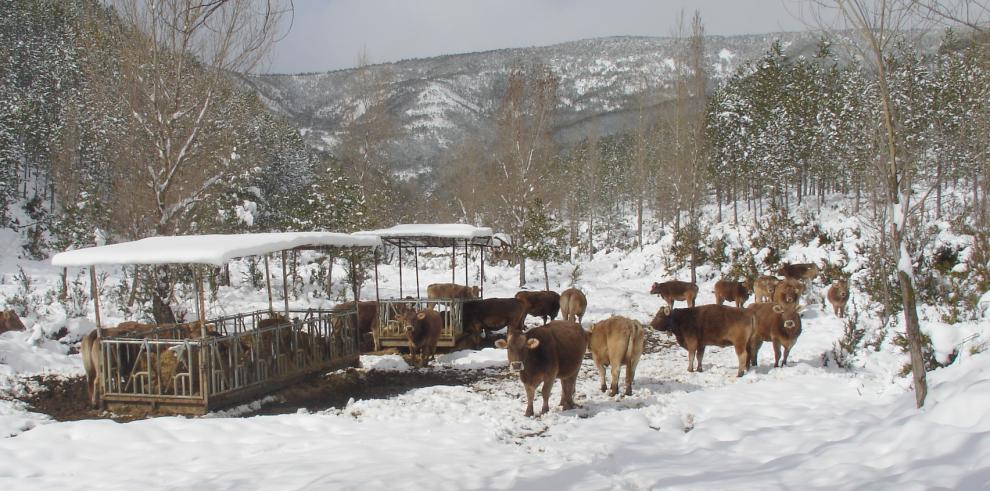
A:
[810,425]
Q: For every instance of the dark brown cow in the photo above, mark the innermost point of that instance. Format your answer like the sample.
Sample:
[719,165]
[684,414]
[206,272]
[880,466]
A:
[545,304]
[764,287]
[544,354]
[616,341]
[492,314]
[734,291]
[423,331]
[10,322]
[788,291]
[779,323]
[573,303]
[676,290]
[708,325]
[800,271]
[838,296]
[366,320]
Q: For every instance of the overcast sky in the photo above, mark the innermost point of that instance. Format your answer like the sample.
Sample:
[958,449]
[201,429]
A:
[329,34]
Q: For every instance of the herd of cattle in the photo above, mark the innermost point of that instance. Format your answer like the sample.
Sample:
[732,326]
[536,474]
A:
[543,354]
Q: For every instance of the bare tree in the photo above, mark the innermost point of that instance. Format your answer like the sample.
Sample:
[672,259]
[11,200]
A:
[174,67]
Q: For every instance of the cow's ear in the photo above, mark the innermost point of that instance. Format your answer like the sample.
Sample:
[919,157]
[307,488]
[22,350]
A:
[533,343]
[778,308]
[501,344]
[421,315]
[799,309]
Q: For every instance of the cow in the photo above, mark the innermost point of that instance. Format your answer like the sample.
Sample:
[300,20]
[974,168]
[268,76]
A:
[92,352]
[492,314]
[423,331]
[708,325]
[838,296]
[735,291]
[676,290]
[366,320]
[779,323]
[449,291]
[788,291]
[616,341]
[764,287]
[545,304]
[10,322]
[799,271]
[544,354]
[573,303]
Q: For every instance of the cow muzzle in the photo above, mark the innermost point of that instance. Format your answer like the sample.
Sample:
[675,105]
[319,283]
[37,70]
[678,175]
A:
[516,366]
[789,324]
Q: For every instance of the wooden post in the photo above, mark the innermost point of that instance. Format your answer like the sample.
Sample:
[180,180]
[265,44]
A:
[268,285]
[378,296]
[354,279]
[482,272]
[416,265]
[467,263]
[95,293]
[399,242]
[453,260]
[285,286]
[200,301]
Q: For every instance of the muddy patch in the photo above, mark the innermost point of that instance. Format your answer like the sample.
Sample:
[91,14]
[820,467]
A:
[63,398]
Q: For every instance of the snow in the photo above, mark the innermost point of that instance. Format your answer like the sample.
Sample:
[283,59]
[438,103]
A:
[205,249]
[443,230]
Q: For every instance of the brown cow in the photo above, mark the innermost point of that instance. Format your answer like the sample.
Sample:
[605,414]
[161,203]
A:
[92,352]
[788,291]
[573,303]
[764,287]
[838,296]
[676,290]
[708,325]
[540,304]
[451,290]
[366,320]
[616,341]
[800,271]
[423,331]
[779,323]
[492,314]
[10,322]
[544,354]
[736,291]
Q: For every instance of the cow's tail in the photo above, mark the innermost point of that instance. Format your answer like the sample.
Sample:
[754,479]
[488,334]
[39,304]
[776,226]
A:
[634,334]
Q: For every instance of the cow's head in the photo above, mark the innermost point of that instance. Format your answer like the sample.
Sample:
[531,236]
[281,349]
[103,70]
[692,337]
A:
[517,346]
[655,289]
[475,292]
[661,321]
[790,313]
[748,285]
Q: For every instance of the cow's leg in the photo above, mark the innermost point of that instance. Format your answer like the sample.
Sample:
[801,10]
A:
[630,373]
[530,394]
[754,352]
[601,374]
[547,388]
[776,353]
[701,355]
[567,388]
[743,355]
[787,351]
[616,367]
[691,353]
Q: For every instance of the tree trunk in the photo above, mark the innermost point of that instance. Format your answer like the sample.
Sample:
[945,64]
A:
[639,220]
[522,271]
[134,286]
[161,293]
[546,277]
[64,294]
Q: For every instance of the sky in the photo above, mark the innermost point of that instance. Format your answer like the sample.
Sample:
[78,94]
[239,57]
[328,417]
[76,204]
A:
[330,34]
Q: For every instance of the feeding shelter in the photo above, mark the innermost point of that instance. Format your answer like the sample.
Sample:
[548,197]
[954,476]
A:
[198,367]
[413,237]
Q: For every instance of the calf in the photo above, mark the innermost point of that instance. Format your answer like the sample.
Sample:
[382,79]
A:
[788,291]
[779,323]
[708,325]
[423,331]
[366,320]
[800,271]
[736,291]
[838,296]
[492,314]
[764,287]
[676,290]
[449,290]
[573,303]
[544,354]
[545,304]
[616,341]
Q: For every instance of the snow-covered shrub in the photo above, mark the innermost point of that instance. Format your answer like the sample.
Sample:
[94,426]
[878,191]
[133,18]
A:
[848,346]
[25,301]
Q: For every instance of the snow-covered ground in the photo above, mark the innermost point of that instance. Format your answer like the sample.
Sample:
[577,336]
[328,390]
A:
[807,425]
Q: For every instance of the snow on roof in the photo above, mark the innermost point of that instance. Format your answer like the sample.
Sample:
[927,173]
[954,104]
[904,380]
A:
[433,235]
[206,249]
[439,230]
